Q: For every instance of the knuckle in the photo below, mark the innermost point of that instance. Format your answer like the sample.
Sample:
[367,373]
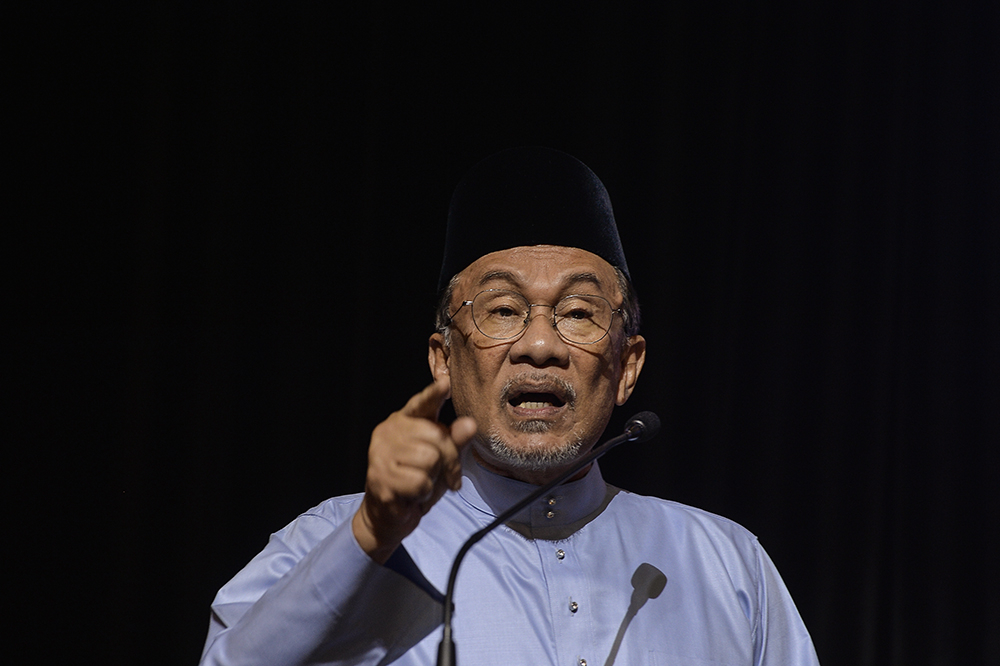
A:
[428,456]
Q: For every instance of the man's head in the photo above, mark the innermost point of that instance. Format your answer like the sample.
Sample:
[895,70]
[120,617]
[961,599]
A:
[537,326]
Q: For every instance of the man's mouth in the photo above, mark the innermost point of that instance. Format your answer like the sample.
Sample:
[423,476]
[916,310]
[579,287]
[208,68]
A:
[536,402]
[538,394]
[529,400]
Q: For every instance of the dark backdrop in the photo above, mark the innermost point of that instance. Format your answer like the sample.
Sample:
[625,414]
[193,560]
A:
[238,214]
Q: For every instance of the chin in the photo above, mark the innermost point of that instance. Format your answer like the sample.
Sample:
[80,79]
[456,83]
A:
[534,455]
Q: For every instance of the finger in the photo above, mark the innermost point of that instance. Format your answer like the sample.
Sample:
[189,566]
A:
[410,484]
[462,430]
[427,404]
[426,457]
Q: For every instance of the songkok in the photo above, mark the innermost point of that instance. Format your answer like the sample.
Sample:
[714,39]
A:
[529,196]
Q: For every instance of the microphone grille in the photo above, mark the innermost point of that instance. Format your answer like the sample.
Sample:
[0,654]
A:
[644,424]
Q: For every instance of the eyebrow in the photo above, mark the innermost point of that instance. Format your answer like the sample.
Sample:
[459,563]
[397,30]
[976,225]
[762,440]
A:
[585,277]
[498,276]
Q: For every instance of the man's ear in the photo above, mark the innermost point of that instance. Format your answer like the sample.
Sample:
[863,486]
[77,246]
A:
[437,356]
[633,357]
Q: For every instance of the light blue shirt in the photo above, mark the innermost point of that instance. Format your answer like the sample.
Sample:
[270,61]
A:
[590,576]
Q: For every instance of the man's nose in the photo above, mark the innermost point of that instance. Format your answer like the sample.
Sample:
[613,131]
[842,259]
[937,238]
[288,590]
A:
[540,343]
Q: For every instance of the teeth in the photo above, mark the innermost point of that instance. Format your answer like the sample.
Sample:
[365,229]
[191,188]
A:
[535,405]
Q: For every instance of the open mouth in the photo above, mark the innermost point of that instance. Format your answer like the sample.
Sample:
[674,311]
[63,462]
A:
[529,400]
[538,396]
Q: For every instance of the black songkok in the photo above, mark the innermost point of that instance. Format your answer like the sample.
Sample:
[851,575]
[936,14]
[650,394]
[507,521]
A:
[529,196]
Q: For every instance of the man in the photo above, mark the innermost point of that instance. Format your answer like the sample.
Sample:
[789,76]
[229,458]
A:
[536,343]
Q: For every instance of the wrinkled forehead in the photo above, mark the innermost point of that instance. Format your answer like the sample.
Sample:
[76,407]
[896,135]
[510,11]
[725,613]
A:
[541,272]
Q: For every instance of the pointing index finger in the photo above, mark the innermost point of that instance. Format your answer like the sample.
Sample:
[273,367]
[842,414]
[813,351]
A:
[427,404]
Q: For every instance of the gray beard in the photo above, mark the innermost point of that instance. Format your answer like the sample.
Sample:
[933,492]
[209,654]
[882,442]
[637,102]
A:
[532,460]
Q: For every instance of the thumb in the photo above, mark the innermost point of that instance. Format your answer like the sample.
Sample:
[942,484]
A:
[462,430]
[427,404]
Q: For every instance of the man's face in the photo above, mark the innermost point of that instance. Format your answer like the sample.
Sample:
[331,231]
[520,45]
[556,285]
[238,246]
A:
[538,400]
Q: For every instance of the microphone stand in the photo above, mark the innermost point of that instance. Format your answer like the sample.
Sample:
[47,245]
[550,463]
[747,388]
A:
[640,426]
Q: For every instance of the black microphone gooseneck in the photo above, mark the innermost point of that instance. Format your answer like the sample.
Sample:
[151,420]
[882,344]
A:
[640,427]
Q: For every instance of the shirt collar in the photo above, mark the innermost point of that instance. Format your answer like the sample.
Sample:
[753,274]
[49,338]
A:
[555,515]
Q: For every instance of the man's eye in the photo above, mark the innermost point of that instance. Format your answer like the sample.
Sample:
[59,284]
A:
[504,311]
[578,314]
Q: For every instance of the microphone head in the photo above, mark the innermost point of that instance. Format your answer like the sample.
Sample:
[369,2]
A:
[642,426]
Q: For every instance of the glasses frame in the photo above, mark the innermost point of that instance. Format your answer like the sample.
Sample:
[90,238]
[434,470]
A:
[527,318]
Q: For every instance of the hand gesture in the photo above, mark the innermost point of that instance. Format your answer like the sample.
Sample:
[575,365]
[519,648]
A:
[412,460]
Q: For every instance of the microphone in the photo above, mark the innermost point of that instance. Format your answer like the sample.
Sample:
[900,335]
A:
[640,428]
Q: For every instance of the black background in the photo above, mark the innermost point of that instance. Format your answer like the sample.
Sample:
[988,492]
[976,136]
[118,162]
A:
[234,220]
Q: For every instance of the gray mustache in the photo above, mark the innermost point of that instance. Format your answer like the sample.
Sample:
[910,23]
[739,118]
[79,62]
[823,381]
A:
[538,383]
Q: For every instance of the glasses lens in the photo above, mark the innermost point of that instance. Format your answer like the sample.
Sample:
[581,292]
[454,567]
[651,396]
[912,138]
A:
[499,314]
[584,319]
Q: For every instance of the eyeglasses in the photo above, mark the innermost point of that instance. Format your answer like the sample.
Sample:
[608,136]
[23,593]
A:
[578,318]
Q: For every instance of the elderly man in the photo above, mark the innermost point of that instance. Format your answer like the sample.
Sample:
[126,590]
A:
[536,343]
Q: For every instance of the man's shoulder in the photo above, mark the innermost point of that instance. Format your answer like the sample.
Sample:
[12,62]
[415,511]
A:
[314,524]
[337,505]
[335,509]
[680,516]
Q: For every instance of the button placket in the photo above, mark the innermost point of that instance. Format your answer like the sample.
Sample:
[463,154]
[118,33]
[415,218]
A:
[566,585]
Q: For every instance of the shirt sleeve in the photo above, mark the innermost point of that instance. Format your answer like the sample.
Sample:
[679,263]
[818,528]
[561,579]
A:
[781,636]
[326,604]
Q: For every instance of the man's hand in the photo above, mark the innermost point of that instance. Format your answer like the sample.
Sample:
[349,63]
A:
[412,460]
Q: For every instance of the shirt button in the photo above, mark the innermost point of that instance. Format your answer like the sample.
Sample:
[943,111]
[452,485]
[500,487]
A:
[560,554]
[582,662]
[550,514]
[551,501]
[573,607]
